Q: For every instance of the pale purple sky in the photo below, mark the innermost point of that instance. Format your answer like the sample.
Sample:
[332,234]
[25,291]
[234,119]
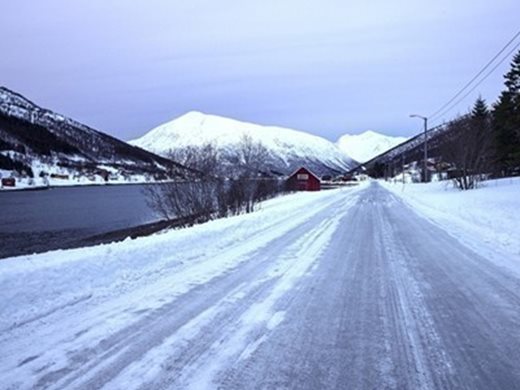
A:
[327,67]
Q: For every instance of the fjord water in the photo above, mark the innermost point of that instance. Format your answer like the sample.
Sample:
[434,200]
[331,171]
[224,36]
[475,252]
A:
[35,221]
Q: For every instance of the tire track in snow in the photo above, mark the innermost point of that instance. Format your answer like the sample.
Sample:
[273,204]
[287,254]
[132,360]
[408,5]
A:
[300,257]
[424,349]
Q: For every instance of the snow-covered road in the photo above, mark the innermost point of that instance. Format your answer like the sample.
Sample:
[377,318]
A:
[339,289]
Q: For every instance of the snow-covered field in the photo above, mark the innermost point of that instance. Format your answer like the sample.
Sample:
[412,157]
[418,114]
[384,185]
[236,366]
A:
[39,183]
[68,180]
[490,213]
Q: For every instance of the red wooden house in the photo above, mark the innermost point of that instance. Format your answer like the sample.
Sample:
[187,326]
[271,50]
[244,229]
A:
[303,180]
[8,182]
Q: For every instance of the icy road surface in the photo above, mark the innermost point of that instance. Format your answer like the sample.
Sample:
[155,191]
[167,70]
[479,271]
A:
[348,289]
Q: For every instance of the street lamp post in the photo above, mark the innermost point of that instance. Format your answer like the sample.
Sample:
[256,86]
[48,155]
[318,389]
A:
[425,162]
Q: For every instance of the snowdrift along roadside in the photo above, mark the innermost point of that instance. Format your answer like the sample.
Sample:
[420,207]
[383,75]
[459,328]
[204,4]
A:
[489,214]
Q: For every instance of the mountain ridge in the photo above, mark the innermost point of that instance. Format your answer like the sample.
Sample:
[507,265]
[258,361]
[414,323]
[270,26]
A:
[36,141]
[288,148]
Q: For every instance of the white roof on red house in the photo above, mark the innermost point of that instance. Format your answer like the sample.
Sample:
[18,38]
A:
[307,170]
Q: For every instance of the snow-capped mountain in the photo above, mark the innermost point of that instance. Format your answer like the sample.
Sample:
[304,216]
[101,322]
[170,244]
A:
[365,146]
[37,142]
[288,149]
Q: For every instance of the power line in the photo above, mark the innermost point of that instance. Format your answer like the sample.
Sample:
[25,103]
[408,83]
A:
[435,114]
[479,82]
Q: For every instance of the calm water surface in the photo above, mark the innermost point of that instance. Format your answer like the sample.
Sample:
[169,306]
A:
[35,221]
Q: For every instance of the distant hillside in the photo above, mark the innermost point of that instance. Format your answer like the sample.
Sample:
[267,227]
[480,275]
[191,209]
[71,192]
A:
[288,149]
[35,141]
[367,145]
[408,152]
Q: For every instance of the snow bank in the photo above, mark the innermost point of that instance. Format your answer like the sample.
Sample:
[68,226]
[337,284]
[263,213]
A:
[489,214]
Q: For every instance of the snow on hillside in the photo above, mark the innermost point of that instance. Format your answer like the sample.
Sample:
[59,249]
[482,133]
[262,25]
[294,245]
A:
[365,146]
[288,148]
[14,104]
[37,144]
[489,213]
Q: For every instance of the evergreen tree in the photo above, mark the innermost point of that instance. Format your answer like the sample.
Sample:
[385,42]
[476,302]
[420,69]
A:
[468,146]
[480,110]
[506,115]
[482,139]
[513,76]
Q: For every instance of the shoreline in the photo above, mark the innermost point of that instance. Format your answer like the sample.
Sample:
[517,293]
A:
[44,188]
[117,235]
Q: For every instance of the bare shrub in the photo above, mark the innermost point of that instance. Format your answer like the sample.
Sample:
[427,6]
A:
[468,148]
[251,158]
[187,202]
[214,195]
[205,159]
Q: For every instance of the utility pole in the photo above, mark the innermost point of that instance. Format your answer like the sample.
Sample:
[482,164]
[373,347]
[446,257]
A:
[402,166]
[425,162]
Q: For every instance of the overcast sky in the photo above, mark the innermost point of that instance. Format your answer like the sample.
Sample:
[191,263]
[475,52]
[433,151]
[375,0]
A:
[328,67]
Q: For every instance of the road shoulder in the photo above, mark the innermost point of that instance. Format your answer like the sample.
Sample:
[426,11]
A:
[482,219]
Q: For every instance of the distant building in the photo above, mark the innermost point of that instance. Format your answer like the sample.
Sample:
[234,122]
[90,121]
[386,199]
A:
[303,180]
[59,176]
[105,175]
[8,182]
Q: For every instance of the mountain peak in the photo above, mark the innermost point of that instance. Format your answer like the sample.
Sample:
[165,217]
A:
[197,120]
[194,114]
[9,98]
[371,133]
[367,145]
[190,118]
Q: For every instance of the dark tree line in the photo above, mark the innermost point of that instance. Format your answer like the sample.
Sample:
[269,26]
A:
[486,142]
[506,122]
[9,164]
[36,137]
[468,146]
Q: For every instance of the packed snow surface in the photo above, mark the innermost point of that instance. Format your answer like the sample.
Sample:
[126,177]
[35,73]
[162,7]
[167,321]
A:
[365,146]
[197,129]
[347,288]
[489,213]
